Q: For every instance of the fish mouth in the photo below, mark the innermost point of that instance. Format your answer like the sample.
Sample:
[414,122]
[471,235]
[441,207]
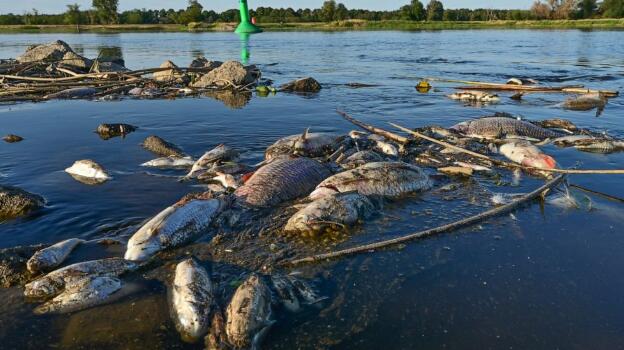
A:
[540,161]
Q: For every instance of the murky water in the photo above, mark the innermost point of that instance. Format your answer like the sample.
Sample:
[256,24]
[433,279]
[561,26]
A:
[545,278]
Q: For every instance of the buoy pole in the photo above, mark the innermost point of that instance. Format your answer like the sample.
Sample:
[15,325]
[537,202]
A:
[245,25]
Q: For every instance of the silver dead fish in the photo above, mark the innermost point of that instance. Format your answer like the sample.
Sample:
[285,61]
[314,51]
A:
[54,282]
[88,169]
[192,299]
[315,144]
[600,146]
[388,179]
[174,226]
[51,257]
[361,158]
[249,314]
[81,294]
[280,181]
[170,162]
[499,127]
[221,153]
[526,154]
[474,96]
[341,209]
[585,102]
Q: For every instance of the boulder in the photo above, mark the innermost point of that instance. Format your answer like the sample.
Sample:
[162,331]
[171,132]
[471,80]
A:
[302,85]
[229,72]
[202,62]
[13,269]
[15,202]
[162,148]
[56,51]
[166,75]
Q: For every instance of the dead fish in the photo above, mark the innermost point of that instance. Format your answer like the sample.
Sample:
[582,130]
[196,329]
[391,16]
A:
[221,153]
[585,102]
[519,81]
[249,314]
[286,293]
[12,138]
[52,256]
[358,135]
[526,154]
[341,209]
[88,169]
[225,180]
[72,93]
[280,181]
[54,282]
[500,127]
[361,158]
[557,124]
[217,337]
[388,179]
[107,131]
[572,140]
[386,148]
[192,298]
[170,162]
[474,167]
[281,147]
[600,146]
[315,144]
[162,148]
[81,294]
[305,290]
[174,226]
[474,96]
[225,168]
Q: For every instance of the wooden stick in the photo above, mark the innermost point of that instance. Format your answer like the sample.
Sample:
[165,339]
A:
[508,164]
[387,134]
[608,196]
[441,229]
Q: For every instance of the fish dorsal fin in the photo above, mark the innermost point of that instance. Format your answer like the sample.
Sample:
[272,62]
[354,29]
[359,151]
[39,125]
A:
[304,136]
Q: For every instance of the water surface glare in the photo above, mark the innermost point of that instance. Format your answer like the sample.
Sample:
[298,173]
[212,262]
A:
[544,278]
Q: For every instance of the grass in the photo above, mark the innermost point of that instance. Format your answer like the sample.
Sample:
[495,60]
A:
[332,26]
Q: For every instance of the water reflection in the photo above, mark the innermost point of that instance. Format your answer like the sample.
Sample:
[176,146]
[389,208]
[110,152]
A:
[245,52]
[232,99]
[111,54]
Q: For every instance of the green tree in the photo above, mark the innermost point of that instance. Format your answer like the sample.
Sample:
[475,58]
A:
[435,11]
[341,12]
[613,8]
[193,12]
[414,11]
[73,15]
[106,10]
[587,8]
[328,10]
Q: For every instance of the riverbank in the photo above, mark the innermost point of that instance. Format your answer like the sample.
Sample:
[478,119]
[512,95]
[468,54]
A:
[319,26]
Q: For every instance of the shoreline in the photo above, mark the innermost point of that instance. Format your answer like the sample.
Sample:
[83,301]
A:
[349,25]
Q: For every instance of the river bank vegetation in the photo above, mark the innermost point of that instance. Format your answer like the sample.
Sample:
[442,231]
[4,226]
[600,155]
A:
[105,16]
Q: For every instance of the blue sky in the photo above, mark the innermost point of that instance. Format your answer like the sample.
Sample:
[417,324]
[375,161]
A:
[55,6]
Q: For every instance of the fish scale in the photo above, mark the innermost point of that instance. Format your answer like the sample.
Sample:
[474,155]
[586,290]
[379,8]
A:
[502,126]
[282,180]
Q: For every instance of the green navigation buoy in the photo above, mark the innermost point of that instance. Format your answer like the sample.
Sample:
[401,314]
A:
[245,25]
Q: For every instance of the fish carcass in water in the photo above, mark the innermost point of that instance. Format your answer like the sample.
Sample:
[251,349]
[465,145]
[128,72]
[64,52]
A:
[499,127]
[107,131]
[174,226]
[520,81]
[54,282]
[249,314]
[192,299]
[72,93]
[474,96]
[360,158]
[308,144]
[557,124]
[286,293]
[170,162]
[387,179]
[585,102]
[572,140]
[379,144]
[221,153]
[280,181]
[88,169]
[526,154]
[600,146]
[341,209]
[48,258]
[81,294]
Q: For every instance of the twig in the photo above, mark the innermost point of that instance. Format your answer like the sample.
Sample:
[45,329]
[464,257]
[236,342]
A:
[387,134]
[608,196]
[441,229]
[509,164]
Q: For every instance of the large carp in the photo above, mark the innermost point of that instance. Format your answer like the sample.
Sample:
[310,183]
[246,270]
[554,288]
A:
[82,294]
[192,299]
[342,209]
[499,127]
[282,180]
[52,256]
[526,154]
[54,282]
[387,179]
[174,226]
[249,314]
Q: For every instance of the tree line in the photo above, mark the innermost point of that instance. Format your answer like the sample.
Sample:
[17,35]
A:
[106,12]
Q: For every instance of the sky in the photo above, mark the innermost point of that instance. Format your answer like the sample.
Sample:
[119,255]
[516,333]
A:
[57,6]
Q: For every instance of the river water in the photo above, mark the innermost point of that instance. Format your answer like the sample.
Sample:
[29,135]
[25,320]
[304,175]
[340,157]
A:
[546,277]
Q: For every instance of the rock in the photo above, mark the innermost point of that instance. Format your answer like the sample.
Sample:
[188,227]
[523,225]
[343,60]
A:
[302,85]
[162,148]
[15,202]
[56,51]
[13,264]
[10,138]
[229,72]
[202,62]
[167,75]
[456,170]
[107,131]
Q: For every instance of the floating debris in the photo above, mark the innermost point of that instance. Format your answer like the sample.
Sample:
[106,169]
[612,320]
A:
[12,138]
[88,172]
[108,131]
